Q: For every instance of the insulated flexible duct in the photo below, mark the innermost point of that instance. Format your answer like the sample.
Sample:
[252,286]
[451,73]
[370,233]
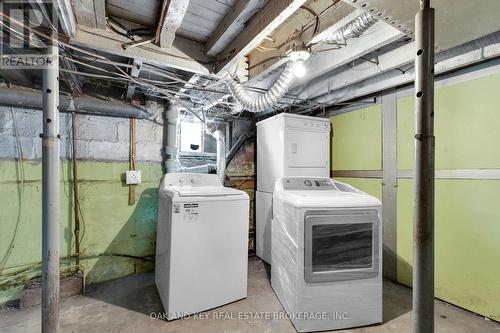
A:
[351,30]
[258,103]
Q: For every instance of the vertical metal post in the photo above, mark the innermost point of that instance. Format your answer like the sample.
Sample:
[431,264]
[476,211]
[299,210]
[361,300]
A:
[423,226]
[50,193]
[76,203]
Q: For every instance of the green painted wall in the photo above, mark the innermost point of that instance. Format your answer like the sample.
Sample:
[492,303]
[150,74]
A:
[368,185]
[109,225]
[467,123]
[467,242]
[357,141]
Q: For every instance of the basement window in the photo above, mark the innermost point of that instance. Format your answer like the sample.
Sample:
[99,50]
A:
[195,140]
[191,136]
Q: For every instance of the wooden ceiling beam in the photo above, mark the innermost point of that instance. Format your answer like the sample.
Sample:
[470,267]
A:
[171,16]
[258,28]
[183,54]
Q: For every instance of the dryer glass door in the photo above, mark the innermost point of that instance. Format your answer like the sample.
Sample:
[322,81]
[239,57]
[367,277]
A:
[341,245]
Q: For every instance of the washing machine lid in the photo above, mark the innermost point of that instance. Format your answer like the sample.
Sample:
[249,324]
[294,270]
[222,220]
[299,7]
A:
[321,192]
[205,191]
[333,199]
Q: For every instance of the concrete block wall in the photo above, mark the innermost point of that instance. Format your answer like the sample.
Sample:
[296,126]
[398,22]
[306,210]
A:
[113,231]
[98,138]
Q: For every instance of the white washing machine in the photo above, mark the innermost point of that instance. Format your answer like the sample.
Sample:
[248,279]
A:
[201,244]
[287,145]
[326,254]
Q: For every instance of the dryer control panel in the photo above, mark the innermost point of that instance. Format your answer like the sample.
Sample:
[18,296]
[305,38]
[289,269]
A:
[308,184]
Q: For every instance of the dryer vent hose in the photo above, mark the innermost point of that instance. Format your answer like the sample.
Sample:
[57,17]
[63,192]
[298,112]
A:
[259,103]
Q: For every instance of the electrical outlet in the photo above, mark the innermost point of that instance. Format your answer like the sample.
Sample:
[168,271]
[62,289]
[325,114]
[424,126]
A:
[133,177]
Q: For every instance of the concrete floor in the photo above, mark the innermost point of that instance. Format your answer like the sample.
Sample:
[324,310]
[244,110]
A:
[126,305]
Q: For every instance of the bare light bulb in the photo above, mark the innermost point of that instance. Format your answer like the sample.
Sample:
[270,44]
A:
[299,69]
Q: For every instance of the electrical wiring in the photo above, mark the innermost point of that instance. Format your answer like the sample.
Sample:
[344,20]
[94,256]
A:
[33,272]
[318,17]
[21,193]
[265,49]
[157,87]
[316,26]
[116,65]
[139,82]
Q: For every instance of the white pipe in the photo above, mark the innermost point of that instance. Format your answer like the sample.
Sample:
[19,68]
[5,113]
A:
[221,154]
[170,122]
[205,168]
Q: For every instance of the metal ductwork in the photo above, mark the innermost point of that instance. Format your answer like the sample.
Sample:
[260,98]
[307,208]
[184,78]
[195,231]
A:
[86,105]
[259,103]
[353,29]
[219,167]
[171,160]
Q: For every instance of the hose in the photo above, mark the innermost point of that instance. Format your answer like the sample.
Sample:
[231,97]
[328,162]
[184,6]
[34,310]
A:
[351,30]
[259,103]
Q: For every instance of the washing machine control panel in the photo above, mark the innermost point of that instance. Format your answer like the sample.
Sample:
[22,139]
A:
[308,184]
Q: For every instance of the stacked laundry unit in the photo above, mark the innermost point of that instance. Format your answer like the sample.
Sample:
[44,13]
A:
[287,145]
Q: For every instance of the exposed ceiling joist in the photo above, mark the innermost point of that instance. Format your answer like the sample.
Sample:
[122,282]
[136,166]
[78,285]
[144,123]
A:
[393,59]
[90,13]
[258,28]
[184,54]
[379,35]
[322,63]
[171,16]
[66,16]
[224,25]
[455,19]
[464,55]
[263,63]
[100,14]
[231,25]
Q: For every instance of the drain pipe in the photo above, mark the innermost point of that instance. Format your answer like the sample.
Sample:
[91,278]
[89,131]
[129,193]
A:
[220,166]
[221,154]
[86,105]
[423,223]
[205,168]
[50,194]
[170,149]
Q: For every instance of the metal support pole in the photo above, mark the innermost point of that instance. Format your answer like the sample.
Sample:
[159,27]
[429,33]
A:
[423,226]
[76,203]
[50,194]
